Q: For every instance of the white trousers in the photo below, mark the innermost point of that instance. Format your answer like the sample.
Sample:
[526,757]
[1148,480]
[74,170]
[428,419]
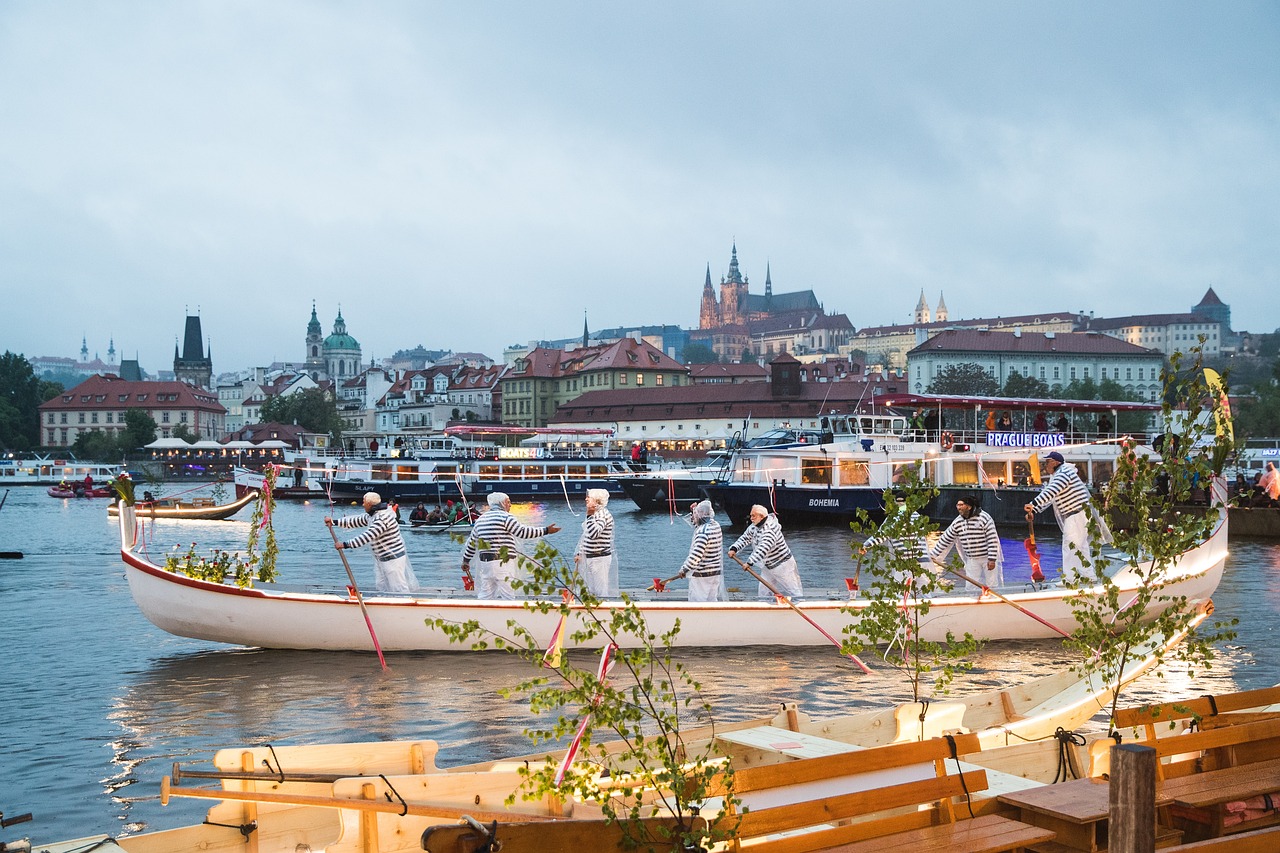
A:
[707,589]
[394,575]
[976,568]
[595,574]
[493,580]
[1075,532]
[785,578]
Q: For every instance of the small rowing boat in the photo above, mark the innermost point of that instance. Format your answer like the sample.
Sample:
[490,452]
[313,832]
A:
[71,492]
[196,509]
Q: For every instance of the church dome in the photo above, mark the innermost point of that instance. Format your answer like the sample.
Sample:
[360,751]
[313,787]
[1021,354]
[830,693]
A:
[341,341]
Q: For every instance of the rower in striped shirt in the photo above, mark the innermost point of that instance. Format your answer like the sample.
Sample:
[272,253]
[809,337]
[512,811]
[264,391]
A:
[973,535]
[493,539]
[1069,497]
[705,564]
[770,555]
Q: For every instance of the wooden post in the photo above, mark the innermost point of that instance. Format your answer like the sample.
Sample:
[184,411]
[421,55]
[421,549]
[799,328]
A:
[1132,817]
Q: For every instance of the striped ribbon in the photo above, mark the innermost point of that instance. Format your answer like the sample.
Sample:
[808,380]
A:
[606,664]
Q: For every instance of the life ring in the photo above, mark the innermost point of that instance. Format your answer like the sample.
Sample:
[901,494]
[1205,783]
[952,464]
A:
[947,441]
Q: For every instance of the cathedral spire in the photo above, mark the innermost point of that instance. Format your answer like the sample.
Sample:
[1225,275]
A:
[768,281]
[584,329]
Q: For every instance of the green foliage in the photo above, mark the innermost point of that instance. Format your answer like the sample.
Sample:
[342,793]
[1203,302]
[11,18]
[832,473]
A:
[139,430]
[312,409]
[220,565]
[122,485]
[263,509]
[700,354]
[1018,385]
[966,378]
[184,433]
[902,583]
[1150,495]
[20,398]
[97,445]
[641,703]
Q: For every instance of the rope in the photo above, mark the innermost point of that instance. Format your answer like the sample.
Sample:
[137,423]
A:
[964,784]
[1066,762]
[279,768]
[404,807]
[564,486]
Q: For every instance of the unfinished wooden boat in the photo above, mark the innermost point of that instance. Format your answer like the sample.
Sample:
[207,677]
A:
[384,796]
[196,509]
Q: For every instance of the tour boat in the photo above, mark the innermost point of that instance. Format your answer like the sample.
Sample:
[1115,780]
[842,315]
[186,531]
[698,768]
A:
[859,456]
[45,470]
[284,616]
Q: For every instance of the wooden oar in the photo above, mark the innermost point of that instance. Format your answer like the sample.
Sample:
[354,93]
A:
[5,498]
[784,599]
[359,598]
[1032,554]
[1007,601]
[168,790]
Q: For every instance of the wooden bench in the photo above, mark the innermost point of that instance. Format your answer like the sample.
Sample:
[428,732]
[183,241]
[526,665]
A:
[1202,771]
[890,798]
[1077,812]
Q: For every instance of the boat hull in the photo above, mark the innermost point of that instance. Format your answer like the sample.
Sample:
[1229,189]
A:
[651,493]
[189,512]
[275,617]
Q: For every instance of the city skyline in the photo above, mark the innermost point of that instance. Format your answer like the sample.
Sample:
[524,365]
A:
[470,177]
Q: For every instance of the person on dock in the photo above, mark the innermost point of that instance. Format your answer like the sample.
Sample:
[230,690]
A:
[770,557]
[596,558]
[973,535]
[1069,497]
[391,569]
[495,532]
[704,567]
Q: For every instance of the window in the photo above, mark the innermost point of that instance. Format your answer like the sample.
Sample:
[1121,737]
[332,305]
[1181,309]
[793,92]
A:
[164,417]
[639,379]
[81,417]
[93,418]
[658,379]
[815,471]
[622,379]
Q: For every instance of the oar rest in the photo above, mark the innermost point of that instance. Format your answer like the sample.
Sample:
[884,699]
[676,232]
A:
[882,798]
[290,765]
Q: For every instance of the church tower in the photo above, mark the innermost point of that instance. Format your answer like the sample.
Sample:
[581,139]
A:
[733,289]
[341,352]
[922,310]
[194,365]
[940,313]
[314,364]
[709,313]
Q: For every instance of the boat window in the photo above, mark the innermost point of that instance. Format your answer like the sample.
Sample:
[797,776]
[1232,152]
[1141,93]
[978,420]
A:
[840,426]
[995,473]
[511,472]
[866,425]
[815,472]
[554,472]
[854,473]
[580,471]
[1103,470]
[380,472]
[964,472]
[1021,474]
[489,472]
[406,472]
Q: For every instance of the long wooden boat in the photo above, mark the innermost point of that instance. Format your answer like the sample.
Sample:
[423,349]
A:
[296,617]
[194,510]
[70,492]
[331,796]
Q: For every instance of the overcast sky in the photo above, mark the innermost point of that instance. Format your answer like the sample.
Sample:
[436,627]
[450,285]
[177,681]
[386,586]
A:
[471,175]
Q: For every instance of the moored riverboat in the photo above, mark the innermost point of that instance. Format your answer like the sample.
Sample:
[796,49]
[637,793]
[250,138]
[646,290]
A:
[859,456]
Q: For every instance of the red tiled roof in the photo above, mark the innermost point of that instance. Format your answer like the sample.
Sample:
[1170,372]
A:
[981,340]
[110,392]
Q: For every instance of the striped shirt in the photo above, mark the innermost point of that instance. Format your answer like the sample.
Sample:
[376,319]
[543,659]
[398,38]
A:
[383,536]
[911,547]
[597,534]
[768,547]
[1065,491]
[974,537]
[497,529]
[705,559]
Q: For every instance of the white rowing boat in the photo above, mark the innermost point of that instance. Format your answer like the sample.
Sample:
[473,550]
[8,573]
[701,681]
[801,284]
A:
[284,616]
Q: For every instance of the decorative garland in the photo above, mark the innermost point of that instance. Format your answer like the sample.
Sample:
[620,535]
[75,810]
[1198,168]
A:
[221,565]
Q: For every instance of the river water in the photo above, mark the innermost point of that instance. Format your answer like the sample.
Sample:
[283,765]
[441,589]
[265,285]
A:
[99,703]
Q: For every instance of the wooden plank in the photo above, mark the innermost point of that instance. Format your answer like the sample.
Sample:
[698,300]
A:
[1257,841]
[987,834]
[790,743]
[1213,738]
[569,836]
[810,813]
[392,758]
[1197,707]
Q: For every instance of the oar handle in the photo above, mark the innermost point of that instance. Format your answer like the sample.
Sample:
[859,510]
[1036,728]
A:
[377,647]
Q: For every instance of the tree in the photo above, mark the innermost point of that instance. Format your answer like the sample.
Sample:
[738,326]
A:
[965,378]
[312,409]
[1116,627]
[96,445]
[653,769]
[139,430]
[182,431]
[19,403]
[902,583]
[1018,385]
[700,354]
